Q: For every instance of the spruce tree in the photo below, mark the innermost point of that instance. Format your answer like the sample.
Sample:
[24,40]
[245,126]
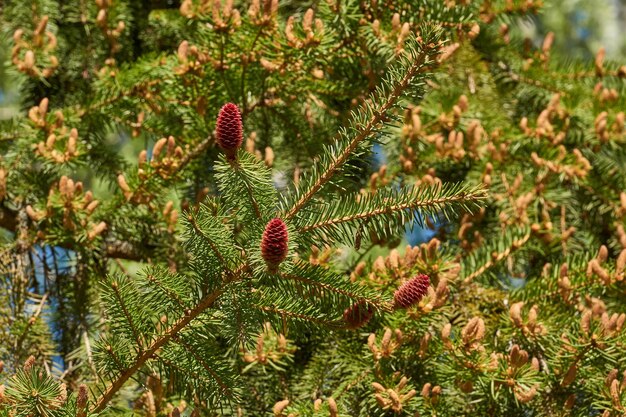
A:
[210,207]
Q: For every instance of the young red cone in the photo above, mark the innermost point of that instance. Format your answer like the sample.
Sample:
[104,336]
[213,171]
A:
[358,314]
[411,292]
[229,130]
[274,243]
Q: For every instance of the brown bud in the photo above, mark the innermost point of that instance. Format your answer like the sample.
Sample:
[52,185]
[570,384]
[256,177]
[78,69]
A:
[29,60]
[121,180]
[332,407]
[279,407]
[570,375]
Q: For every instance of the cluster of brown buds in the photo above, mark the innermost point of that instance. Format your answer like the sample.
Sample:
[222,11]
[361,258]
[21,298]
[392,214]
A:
[594,267]
[398,34]
[517,360]
[137,196]
[61,144]
[333,410]
[411,131]
[544,53]
[395,398]
[165,162]
[76,207]
[431,394]
[451,142]
[389,343]
[608,325]
[605,94]
[615,390]
[192,60]
[225,18]
[165,159]
[471,336]
[312,31]
[530,326]
[263,12]
[271,348]
[519,203]
[322,257]
[551,124]
[48,149]
[37,59]
[474,134]
[471,241]
[430,178]
[425,258]
[490,11]
[579,168]
[112,34]
[564,283]
[602,128]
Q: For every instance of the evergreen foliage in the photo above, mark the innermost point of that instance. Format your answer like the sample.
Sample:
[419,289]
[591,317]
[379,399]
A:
[209,207]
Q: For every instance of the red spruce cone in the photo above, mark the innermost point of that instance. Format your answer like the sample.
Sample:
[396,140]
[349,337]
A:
[274,243]
[411,292]
[229,129]
[358,314]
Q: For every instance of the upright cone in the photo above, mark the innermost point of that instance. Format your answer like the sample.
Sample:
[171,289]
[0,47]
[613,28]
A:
[411,292]
[274,243]
[229,130]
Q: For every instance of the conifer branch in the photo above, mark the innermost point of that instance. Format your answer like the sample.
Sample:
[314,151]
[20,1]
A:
[378,115]
[251,198]
[202,362]
[127,315]
[304,317]
[328,287]
[496,256]
[435,200]
[30,323]
[173,365]
[148,353]
[209,242]
[171,294]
